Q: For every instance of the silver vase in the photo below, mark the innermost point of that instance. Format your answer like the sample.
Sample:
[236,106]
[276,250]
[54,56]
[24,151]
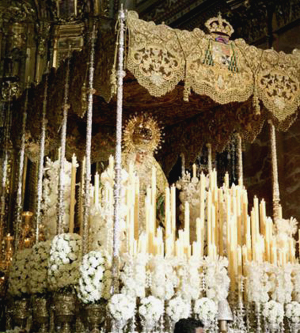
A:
[40,313]
[95,314]
[64,307]
[21,312]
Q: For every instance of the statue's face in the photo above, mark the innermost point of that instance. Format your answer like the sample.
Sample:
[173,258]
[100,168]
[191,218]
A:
[140,156]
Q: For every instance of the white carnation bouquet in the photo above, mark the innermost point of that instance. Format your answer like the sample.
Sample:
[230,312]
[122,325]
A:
[38,268]
[282,285]
[163,277]
[95,277]
[189,278]
[206,310]
[178,308]
[18,276]
[133,275]
[216,278]
[64,261]
[258,282]
[296,282]
[121,307]
[273,312]
[151,309]
[50,196]
[292,312]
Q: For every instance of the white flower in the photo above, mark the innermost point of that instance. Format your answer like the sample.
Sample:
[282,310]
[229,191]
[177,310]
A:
[121,307]
[205,309]
[216,278]
[258,281]
[18,277]
[93,282]
[273,312]
[50,196]
[151,309]
[292,312]
[63,272]
[163,277]
[178,308]
[38,267]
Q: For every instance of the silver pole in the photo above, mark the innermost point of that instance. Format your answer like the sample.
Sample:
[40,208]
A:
[19,207]
[118,156]
[86,203]
[61,181]
[276,193]
[209,158]
[240,161]
[41,164]
[5,169]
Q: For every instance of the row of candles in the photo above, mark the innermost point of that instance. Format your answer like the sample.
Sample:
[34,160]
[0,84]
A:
[223,227]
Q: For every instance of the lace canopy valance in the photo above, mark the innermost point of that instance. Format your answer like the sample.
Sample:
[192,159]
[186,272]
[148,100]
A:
[201,87]
[213,65]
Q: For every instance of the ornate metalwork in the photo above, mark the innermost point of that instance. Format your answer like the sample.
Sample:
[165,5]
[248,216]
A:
[61,187]
[276,193]
[64,307]
[40,313]
[86,204]
[5,161]
[41,164]
[240,160]
[95,316]
[19,204]
[118,153]
[209,158]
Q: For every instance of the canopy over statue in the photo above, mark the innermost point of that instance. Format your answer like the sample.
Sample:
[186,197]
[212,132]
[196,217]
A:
[202,87]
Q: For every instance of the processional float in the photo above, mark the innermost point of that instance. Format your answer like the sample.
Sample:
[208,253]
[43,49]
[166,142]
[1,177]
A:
[130,265]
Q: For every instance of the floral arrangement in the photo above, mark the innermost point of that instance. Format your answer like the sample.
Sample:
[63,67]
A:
[101,214]
[284,230]
[151,309]
[206,310]
[216,278]
[163,277]
[292,312]
[18,277]
[258,282]
[296,282]
[64,261]
[282,286]
[273,312]
[95,277]
[189,278]
[38,268]
[133,275]
[190,191]
[121,307]
[50,196]
[178,308]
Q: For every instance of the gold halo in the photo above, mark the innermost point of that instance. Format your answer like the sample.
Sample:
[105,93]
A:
[145,121]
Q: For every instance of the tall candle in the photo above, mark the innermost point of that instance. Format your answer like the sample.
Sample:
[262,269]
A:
[173,210]
[194,171]
[153,197]
[136,207]
[226,180]
[187,223]
[167,212]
